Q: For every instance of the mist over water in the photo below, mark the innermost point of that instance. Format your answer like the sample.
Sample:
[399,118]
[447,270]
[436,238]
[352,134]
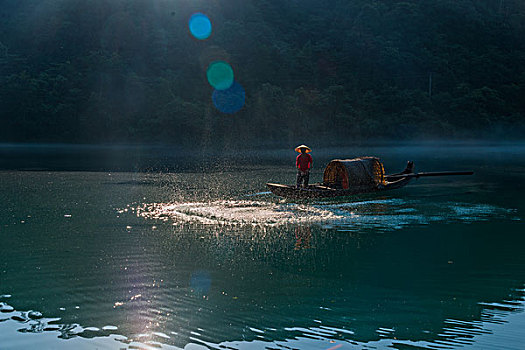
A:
[206,257]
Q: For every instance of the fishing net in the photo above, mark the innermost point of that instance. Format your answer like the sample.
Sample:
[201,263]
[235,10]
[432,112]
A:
[365,172]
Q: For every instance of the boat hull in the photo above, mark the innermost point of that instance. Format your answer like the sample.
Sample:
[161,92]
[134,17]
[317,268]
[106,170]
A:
[319,191]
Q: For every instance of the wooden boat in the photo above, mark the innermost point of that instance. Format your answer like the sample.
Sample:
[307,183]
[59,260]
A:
[354,176]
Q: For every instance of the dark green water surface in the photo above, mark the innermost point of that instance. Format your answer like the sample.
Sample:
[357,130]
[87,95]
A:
[134,248]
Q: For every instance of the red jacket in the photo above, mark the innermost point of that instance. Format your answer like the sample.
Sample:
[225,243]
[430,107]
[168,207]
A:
[303,161]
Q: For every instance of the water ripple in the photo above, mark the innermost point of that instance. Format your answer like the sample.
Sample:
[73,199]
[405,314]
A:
[455,333]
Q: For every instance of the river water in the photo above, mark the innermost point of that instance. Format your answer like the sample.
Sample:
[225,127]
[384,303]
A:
[148,248]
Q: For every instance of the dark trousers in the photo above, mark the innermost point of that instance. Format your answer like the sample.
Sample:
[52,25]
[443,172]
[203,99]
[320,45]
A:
[302,178]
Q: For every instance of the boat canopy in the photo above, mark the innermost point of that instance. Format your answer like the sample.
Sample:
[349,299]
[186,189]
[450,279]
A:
[364,172]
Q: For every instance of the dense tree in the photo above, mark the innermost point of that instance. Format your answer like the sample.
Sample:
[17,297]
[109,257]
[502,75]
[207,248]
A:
[130,71]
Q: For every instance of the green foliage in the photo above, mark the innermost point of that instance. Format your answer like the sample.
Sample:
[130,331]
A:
[129,71]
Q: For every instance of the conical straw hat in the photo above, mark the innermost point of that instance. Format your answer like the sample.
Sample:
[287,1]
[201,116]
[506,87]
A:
[298,149]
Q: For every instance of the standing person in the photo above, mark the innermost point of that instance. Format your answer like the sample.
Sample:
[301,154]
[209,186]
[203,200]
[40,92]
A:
[303,162]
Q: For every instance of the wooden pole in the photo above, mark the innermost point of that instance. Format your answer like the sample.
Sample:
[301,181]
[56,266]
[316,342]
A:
[437,173]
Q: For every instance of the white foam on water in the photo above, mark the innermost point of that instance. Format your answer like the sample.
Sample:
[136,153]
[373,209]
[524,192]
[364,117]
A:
[381,214]
[230,212]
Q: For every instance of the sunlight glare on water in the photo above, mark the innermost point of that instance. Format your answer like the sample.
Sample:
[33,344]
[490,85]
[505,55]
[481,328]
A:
[387,214]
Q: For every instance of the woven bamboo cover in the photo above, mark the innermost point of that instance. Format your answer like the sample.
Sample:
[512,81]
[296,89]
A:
[364,172]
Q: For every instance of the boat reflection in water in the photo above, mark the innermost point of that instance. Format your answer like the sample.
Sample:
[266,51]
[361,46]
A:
[303,235]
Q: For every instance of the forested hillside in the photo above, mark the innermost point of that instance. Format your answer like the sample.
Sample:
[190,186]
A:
[313,71]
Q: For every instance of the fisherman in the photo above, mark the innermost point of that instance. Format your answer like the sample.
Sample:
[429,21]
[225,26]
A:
[303,163]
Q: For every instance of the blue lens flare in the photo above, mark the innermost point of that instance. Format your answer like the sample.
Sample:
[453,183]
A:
[200,26]
[231,100]
[200,282]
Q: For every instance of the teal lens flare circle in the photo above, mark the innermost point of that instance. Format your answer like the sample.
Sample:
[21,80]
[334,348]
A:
[220,75]
[200,26]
